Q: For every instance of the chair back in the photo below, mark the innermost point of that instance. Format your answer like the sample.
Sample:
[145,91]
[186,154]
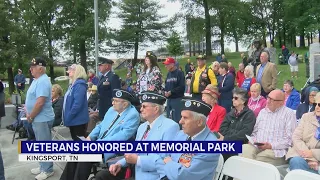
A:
[219,168]
[301,175]
[248,169]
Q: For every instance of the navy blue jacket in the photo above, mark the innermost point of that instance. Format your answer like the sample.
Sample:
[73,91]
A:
[175,83]
[305,106]
[20,78]
[105,87]
[76,104]
[226,85]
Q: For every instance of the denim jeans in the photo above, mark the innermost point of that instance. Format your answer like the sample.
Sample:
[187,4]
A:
[300,163]
[28,127]
[42,131]
[174,106]
[1,168]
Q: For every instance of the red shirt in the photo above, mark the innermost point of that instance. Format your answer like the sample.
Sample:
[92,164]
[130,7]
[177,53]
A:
[216,117]
[239,78]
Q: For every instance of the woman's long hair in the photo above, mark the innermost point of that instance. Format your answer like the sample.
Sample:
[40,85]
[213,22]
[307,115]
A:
[153,62]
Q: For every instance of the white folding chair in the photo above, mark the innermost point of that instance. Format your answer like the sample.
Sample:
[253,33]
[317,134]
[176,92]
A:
[301,175]
[218,168]
[247,169]
[55,131]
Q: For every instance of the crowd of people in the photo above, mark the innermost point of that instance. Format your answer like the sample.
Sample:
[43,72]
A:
[225,105]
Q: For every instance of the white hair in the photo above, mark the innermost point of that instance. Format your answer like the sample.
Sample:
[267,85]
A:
[250,69]
[197,116]
[161,108]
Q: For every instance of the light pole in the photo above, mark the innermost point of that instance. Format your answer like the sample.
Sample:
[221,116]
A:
[96,26]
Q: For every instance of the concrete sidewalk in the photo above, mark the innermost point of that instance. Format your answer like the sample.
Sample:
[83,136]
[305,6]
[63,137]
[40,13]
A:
[15,170]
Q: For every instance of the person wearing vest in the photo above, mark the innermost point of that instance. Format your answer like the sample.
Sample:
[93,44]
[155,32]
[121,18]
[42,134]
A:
[201,78]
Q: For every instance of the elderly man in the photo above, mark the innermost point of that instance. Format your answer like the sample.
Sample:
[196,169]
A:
[120,123]
[156,128]
[39,111]
[20,81]
[174,89]
[272,131]
[240,75]
[201,78]
[191,166]
[266,74]
[107,83]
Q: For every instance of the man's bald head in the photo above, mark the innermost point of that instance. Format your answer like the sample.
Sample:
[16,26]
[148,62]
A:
[264,56]
[275,99]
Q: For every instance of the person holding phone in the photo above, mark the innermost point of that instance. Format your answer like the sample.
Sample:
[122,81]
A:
[272,134]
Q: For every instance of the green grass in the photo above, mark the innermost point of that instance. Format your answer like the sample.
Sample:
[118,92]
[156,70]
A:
[235,59]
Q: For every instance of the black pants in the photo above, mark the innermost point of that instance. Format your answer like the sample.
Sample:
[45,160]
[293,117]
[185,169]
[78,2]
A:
[78,130]
[106,175]
[77,171]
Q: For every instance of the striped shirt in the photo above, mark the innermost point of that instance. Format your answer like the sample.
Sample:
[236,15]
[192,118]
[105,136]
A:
[275,128]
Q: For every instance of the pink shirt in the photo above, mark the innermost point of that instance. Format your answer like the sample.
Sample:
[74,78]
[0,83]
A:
[257,105]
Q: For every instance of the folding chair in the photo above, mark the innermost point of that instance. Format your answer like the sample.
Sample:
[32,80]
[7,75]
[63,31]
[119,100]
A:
[219,168]
[55,132]
[248,169]
[301,175]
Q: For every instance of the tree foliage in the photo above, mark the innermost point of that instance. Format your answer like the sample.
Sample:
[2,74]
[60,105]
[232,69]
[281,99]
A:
[174,45]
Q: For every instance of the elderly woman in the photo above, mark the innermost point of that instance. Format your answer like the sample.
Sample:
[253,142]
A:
[215,68]
[248,78]
[57,103]
[308,104]
[93,99]
[305,153]
[150,78]
[256,102]
[92,77]
[75,107]
[292,96]
[210,96]
[239,122]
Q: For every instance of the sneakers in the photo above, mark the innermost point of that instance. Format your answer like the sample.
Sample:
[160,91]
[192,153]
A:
[43,175]
[36,171]
[40,175]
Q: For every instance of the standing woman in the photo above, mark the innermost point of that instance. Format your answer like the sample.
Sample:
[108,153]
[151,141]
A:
[2,99]
[75,107]
[150,78]
[248,79]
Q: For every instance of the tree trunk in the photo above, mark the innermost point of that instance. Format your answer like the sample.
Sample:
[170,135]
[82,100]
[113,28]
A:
[189,35]
[190,48]
[136,48]
[208,28]
[308,37]
[82,52]
[51,59]
[10,80]
[319,35]
[222,31]
[194,48]
[302,43]
[294,42]
[284,34]
[311,34]
[236,39]
[74,54]
[280,39]
[199,48]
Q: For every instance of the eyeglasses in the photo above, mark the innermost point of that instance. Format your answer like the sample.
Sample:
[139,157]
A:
[274,99]
[316,104]
[235,97]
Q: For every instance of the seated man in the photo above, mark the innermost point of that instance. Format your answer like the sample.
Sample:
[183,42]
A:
[191,166]
[119,124]
[273,129]
[156,128]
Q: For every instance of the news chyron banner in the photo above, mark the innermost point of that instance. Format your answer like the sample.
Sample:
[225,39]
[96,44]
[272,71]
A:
[91,151]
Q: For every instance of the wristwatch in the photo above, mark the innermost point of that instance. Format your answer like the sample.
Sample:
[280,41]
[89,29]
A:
[31,119]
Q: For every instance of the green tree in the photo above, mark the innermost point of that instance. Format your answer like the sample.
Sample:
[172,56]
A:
[141,24]
[174,45]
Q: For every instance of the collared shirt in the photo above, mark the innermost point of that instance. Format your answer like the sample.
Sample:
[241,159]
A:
[275,128]
[260,72]
[192,138]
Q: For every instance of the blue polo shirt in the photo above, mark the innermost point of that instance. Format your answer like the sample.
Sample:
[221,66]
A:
[40,87]
[260,72]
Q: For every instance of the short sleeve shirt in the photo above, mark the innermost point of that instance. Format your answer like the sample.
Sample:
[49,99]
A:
[40,87]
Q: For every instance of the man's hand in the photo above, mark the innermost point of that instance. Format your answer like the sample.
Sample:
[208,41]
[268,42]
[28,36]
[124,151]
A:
[167,159]
[19,84]
[114,169]
[313,165]
[131,158]
[167,93]
[28,118]
[306,154]
[265,146]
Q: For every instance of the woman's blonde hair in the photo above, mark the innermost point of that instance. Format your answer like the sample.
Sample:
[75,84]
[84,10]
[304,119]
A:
[79,73]
[317,97]
[213,91]
[58,89]
[250,69]
[256,86]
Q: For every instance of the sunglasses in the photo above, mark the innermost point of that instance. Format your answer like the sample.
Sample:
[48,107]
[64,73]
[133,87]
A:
[316,104]
[235,97]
